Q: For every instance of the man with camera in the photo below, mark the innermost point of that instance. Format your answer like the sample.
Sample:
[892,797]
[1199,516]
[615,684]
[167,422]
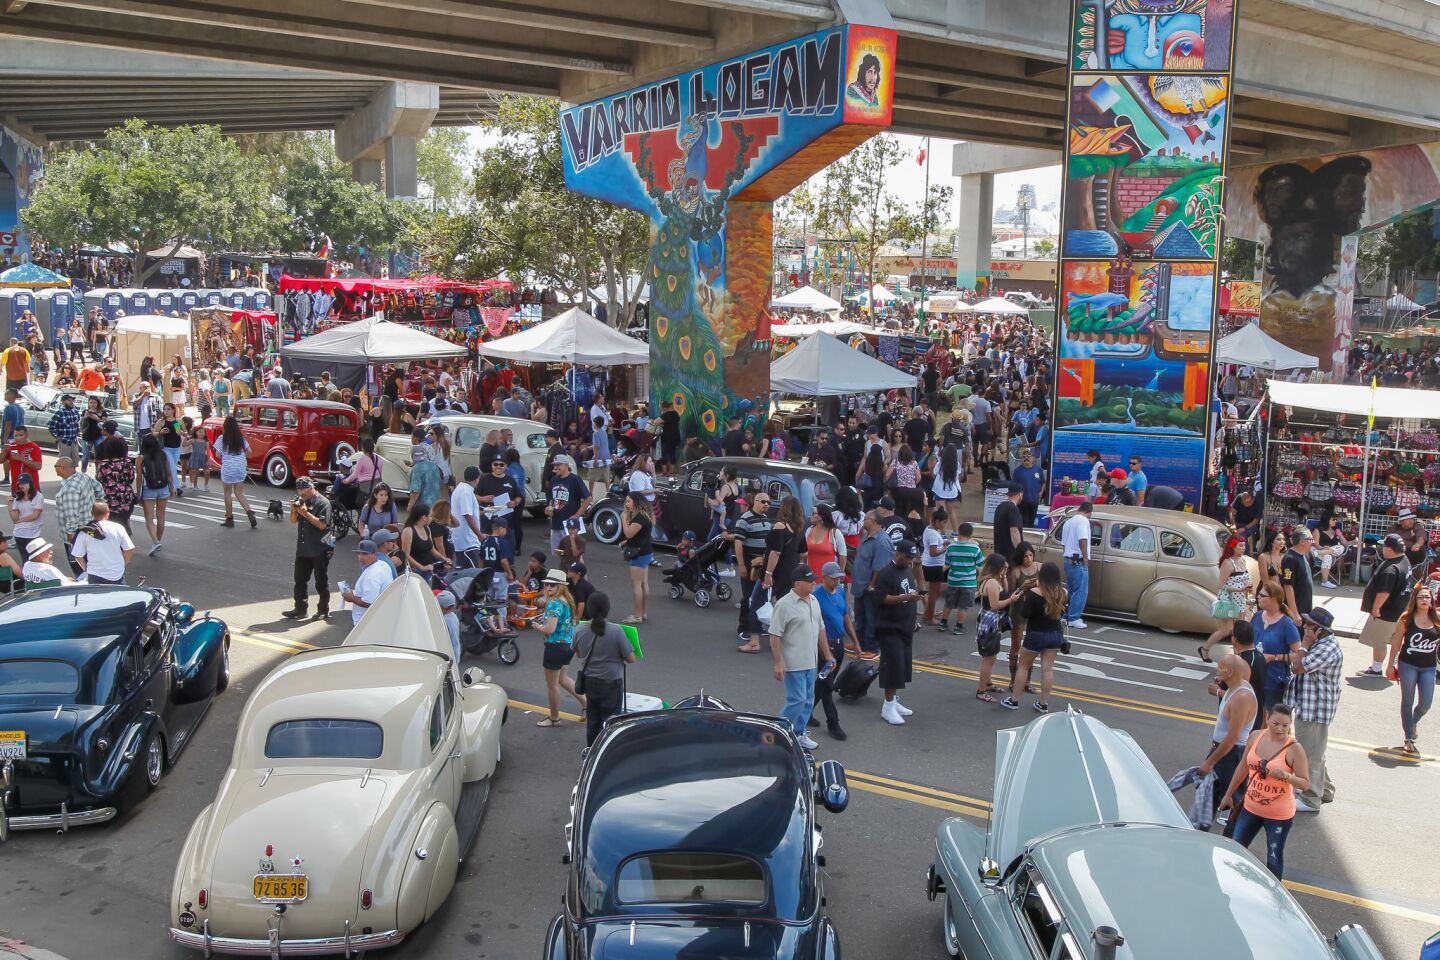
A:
[310,512]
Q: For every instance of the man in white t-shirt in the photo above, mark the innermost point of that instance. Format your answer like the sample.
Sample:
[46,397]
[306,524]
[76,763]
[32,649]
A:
[38,566]
[102,547]
[465,537]
[375,575]
[1075,544]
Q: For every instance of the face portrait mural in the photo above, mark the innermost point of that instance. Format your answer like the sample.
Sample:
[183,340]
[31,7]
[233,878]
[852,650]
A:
[866,87]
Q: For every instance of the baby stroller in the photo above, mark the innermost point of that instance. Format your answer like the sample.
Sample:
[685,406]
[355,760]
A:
[481,596]
[699,575]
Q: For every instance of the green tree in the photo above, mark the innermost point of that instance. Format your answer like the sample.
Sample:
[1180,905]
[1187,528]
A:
[445,163]
[1239,258]
[152,188]
[1409,243]
[320,199]
[1045,248]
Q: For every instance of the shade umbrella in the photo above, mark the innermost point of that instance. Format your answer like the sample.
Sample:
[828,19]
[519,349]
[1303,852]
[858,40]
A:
[825,367]
[33,276]
[572,337]
[1254,347]
[1002,306]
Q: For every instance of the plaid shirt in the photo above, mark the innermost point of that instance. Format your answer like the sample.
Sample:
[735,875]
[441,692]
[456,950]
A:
[65,424]
[1315,694]
[74,500]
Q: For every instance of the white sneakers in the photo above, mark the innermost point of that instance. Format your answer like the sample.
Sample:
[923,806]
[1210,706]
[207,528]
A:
[807,742]
[1078,624]
[156,549]
[904,710]
[1304,807]
[890,712]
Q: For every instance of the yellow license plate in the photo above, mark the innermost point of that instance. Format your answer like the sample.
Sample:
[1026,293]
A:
[12,745]
[311,455]
[281,888]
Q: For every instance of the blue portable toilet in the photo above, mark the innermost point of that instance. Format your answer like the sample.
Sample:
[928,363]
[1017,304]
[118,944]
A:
[235,299]
[166,302]
[108,300]
[13,303]
[212,298]
[54,308]
[259,299]
[139,302]
[188,300]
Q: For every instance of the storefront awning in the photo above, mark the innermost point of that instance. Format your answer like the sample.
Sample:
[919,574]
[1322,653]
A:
[1358,400]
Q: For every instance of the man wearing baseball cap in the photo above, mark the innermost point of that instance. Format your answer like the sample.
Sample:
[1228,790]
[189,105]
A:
[310,513]
[897,590]
[1295,574]
[797,640]
[1315,696]
[375,576]
[569,497]
[1120,494]
[1385,599]
[448,603]
[839,633]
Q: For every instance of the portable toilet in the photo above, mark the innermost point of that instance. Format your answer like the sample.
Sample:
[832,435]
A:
[259,299]
[235,299]
[166,302]
[13,303]
[212,298]
[55,308]
[186,300]
[139,303]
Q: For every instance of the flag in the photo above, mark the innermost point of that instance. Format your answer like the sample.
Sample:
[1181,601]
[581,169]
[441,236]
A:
[920,158]
[324,252]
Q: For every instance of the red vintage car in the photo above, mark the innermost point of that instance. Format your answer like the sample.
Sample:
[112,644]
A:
[290,438]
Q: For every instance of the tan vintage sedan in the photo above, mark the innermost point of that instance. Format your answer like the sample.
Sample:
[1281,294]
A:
[467,436]
[358,782]
[1159,568]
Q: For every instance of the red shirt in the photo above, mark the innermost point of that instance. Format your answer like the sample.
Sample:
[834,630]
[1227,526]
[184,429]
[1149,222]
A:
[25,451]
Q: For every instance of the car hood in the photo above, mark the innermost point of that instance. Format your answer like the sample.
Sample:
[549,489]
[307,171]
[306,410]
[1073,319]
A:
[322,819]
[707,939]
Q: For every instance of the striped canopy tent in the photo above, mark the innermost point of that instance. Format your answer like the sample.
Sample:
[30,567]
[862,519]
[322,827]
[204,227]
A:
[33,276]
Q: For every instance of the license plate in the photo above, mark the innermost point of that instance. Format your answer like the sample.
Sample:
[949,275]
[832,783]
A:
[281,888]
[311,455]
[12,745]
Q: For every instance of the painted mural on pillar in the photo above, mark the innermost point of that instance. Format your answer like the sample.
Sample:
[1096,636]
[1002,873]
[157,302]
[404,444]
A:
[1142,217]
[20,164]
[703,155]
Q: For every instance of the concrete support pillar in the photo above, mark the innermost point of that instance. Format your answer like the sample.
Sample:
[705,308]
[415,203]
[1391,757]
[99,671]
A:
[972,239]
[368,171]
[400,167]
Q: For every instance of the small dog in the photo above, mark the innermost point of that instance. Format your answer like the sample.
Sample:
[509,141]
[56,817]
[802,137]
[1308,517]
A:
[275,511]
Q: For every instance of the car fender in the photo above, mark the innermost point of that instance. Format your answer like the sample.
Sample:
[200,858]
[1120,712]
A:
[197,658]
[1174,604]
[829,941]
[555,939]
[428,879]
[124,760]
[483,707]
[959,850]
[192,872]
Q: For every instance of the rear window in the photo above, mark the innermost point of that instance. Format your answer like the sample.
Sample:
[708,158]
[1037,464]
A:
[334,420]
[680,877]
[38,678]
[324,738]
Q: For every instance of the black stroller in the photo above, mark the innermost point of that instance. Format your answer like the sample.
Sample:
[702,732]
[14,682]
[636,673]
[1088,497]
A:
[476,602]
[700,576]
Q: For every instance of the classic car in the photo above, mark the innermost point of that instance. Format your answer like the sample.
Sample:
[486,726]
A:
[290,438]
[467,435]
[358,781]
[1087,856]
[1156,567]
[682,499]
[40,403]
[692,833]
[101,689]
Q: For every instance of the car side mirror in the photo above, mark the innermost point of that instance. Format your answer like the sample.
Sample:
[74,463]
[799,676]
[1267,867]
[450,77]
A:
[989,872]
[831,789]
[471,677]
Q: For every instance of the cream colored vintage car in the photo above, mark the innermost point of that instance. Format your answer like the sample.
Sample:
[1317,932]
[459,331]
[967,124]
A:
[1159,568]
[467,435]
[358,782]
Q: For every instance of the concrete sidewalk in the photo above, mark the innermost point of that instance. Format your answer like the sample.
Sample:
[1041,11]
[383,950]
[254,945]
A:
[1344,606]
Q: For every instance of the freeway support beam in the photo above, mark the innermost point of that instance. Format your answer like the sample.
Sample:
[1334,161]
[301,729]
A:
[382,136]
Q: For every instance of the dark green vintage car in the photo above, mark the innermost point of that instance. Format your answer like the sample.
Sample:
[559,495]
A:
[1088,856]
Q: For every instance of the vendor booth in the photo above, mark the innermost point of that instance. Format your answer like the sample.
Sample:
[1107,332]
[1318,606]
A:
[1361,453]
[216,332]
[835,328]
[138,337]
[1251,346]
[1000,306]
[307,304]
[347,350]
[576,340]
[806,298]
[825,367]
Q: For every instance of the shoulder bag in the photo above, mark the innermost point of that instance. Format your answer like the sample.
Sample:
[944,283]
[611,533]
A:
[580,674]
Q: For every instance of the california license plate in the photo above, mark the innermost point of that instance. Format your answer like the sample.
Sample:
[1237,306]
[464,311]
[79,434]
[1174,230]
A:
[12,745]
[281,888]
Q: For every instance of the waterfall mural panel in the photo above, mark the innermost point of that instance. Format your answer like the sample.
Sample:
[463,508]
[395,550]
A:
[703,155]
[1142,217]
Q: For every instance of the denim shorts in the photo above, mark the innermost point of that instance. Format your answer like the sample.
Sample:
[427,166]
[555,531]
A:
[1038,641]
[642,561]
[155,493]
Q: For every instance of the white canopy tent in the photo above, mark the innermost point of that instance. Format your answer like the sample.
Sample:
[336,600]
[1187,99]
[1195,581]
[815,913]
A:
[148,335]
[836,328]
[806,298]
[946,304]
[1002,306]
[347,350]
[825,367]
[876,293]
[572,337]
[1254,347]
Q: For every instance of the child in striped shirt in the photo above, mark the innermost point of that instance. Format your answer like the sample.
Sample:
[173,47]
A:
[963,558]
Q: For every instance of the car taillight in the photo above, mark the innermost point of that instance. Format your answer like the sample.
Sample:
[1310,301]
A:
[269,850]
[203,899]
[365,900]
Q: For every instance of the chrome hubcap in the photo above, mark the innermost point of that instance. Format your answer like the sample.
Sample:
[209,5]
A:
[154,760]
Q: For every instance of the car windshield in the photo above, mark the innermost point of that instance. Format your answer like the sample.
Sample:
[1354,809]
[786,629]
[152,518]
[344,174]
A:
[684,877]
[323,738]
[38,678]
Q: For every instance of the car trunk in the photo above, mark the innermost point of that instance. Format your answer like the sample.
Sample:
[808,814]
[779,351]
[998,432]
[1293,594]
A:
[319,818]
[45,778]
[708,939]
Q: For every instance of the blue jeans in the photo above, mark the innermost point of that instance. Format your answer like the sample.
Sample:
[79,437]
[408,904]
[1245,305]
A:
[1077,581]
[173,455]
[1415,680]
[799,698]
[1247,825]
[864,611]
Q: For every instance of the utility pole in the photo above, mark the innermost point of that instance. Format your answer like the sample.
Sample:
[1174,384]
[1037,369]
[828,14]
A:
[1024,203]
[924,236]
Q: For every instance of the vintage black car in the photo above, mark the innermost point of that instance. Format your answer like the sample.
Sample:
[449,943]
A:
[693,834]
[101,688]
[682,499]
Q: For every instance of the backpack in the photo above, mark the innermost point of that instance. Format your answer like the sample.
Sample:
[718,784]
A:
[154,472]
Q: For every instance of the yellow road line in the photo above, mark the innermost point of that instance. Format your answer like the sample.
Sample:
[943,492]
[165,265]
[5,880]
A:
[536,708]
[1379,906]
[860,784]
[274,640]
[917,788]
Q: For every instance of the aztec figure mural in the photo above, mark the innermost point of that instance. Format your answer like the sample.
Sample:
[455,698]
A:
[1148,133]
[1309,216]
[704,155]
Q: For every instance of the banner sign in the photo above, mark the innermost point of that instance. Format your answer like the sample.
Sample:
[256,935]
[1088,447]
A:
[1147,141]
[703,154]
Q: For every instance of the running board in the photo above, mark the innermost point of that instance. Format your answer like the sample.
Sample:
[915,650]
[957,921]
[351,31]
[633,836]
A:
[470,814]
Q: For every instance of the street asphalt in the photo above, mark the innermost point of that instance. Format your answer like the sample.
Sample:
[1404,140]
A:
[102,892]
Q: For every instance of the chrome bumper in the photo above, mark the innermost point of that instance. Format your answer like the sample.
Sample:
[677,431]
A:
[347,945]
[61,821]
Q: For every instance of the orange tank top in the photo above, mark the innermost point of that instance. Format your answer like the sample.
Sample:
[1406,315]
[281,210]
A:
[819,554]
[1269,797]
